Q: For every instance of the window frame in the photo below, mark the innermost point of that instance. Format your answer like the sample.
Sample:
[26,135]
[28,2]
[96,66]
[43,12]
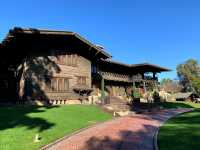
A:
[57,85]
[68,59]
[81,80]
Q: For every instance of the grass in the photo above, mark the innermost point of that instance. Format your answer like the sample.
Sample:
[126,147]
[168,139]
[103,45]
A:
[20,124]
[179,105]
[168,105]
[183,131]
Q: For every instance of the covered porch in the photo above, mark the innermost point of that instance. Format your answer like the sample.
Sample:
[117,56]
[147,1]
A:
[123,80]
[109,85]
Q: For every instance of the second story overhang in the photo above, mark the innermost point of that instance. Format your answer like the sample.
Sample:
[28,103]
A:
[116,71]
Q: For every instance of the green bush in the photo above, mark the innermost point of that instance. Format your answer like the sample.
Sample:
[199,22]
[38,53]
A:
[156,96]
[136,93]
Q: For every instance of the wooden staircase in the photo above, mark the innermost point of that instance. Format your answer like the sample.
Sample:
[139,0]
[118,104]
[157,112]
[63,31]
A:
[117,105]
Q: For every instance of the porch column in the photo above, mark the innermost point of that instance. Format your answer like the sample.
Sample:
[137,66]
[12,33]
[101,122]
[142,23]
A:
[142,75]
[133,86]
[102,89]
[154,75]
[144,85]
[155,81]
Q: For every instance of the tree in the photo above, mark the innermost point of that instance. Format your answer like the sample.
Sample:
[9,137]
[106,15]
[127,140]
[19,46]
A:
[196,84]
[165,80]
[189,75]
[170,86]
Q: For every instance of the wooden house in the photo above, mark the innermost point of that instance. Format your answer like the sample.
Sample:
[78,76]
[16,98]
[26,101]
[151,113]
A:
[63,66]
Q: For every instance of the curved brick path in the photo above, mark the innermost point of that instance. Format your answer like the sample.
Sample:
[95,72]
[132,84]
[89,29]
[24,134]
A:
[134,132]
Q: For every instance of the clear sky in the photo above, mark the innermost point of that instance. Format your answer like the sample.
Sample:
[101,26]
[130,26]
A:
[164,32]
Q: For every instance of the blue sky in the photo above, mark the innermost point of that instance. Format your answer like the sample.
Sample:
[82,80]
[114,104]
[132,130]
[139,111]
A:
[164,32]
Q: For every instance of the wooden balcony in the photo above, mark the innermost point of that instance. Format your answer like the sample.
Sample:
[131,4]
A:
[125,78]
[115,76]
[150,78]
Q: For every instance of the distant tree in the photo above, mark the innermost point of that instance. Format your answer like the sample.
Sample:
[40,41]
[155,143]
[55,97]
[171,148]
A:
[189,75]
[196,84]
[165,80]
[170,86]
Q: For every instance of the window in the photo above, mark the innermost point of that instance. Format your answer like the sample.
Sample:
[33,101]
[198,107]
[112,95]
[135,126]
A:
[58,85]
[81,80]
[74,60]
[69,60]
[60,59]
[94,68]
[66,84]
[54,84]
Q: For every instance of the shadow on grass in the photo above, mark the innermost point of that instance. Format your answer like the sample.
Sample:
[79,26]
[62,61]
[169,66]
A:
[17,116]
[174,105]
[29,74]
[181,132]
[165,105]
[190,118]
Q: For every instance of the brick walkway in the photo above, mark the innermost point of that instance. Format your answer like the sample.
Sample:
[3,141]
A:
[134,132]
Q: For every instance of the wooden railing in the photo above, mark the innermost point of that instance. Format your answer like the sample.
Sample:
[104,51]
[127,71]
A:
[125,77]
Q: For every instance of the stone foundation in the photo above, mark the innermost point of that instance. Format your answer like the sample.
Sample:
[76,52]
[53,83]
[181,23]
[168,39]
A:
[52,102]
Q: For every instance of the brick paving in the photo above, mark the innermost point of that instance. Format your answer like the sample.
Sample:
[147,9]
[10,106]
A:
[134,132]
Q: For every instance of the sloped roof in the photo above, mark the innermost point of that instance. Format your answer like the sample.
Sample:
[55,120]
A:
[182,95]
[142,66]
[32,31]
[150,66]
[94,48]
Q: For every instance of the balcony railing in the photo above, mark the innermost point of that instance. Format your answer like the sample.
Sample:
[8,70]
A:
[150,78]
[125,78]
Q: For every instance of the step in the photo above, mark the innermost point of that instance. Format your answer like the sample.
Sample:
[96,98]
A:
[117,107]
[121,113]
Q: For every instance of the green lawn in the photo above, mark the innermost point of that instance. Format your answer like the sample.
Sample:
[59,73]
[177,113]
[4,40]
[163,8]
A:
[179,105]
[20,124]
[183,131]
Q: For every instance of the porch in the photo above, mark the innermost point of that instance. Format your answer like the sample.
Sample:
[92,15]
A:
[109,84]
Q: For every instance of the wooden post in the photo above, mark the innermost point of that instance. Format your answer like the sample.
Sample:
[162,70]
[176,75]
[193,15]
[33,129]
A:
[154,75]
[133,85]
[144,85]
[133,92]
[102,89]
[143,75]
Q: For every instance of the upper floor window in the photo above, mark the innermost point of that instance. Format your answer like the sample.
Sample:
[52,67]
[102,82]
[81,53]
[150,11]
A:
[69,60]
[57,84]
[94,68]
[81,80]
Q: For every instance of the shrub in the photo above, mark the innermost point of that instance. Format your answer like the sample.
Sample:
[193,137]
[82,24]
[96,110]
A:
[156,96]
[136,93]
